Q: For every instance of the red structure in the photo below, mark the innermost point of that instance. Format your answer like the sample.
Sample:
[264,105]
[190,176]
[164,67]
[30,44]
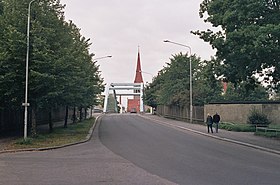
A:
[138,76]
[133,105]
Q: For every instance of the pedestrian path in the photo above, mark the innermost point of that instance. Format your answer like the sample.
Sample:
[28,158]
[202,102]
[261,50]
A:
[242,138]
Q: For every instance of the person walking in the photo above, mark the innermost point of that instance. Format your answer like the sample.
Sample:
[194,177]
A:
[216,120]
[209,122]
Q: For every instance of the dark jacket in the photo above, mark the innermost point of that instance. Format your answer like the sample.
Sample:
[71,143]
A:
[209,120]
[216,118]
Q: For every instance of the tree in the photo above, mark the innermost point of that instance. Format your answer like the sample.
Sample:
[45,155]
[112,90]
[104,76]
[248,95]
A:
[1,7]
[152,90]
[171,86]
[174,90]
[207,84]
[61,68]
[243,93]
[12,54]
[248,40]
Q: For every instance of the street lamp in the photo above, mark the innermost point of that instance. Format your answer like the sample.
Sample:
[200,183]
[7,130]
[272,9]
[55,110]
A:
[143,72]
[25,104]
[191,107]
[95,59]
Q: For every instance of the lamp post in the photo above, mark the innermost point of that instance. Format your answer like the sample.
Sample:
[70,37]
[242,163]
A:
[143,72]
[26,104]
[191,106]
[95,59]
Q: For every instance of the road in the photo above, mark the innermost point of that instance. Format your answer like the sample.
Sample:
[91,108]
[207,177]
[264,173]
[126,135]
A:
[90,163]
[184,157]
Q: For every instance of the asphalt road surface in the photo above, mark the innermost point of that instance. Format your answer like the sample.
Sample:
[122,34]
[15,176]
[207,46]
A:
[90,163]
[184,157]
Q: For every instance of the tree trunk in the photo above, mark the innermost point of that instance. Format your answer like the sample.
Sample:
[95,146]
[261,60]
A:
[74,115]
[33,122]
[0,122]
[85,113]
[50,122]
[66,116]
[81,114]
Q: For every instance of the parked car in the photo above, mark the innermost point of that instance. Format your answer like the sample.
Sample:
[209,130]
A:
[133,110]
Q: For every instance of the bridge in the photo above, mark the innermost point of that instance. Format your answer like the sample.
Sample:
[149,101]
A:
[124,89]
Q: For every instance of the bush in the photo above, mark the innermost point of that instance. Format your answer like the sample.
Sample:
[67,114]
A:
[257,118]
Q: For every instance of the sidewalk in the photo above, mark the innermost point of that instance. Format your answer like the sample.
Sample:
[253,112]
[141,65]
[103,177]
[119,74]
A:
[242,138]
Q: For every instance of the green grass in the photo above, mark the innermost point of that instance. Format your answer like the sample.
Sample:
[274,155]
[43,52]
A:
[270,133]
[237,127]
[251,128]
[274,126]
[59,136]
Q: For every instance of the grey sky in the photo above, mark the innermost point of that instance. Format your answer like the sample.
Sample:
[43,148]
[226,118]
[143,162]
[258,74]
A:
[117,27]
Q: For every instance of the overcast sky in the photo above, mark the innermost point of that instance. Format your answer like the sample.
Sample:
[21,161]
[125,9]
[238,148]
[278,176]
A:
[118,27]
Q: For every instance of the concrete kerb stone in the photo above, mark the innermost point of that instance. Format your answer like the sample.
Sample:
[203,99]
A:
[216,137]
[88,137]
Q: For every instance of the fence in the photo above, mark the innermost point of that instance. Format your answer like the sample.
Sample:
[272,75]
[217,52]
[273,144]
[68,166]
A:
[12,120]
[181,113]
[272,131]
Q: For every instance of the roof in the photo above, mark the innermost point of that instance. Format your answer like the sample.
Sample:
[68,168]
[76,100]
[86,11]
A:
[138,75]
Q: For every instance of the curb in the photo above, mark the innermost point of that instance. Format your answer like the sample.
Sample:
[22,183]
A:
[88,137]
[217,137]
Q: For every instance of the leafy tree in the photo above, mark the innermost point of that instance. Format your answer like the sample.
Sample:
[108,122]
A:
[243,93]
[207,86]
[171,86]
[152,90]
[175,87]
[248,40]
[12,54]
[1,7]
[46,40]
[61,68]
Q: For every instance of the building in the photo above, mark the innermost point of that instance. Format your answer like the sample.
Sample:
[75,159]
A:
[133,105]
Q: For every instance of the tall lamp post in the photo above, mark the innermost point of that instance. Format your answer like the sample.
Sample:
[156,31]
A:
[191,106]
[95,59]
[26,104]
[99,58]
[143,72]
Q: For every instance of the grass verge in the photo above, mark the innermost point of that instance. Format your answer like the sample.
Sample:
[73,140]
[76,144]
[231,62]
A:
[272,131]
[251,128]
[59,136]
[269,134]
[237,127]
